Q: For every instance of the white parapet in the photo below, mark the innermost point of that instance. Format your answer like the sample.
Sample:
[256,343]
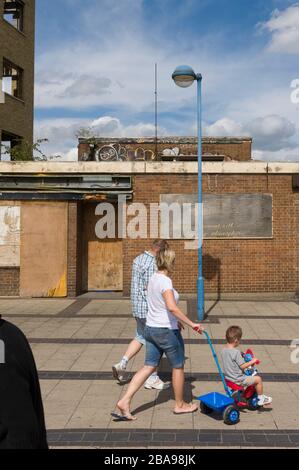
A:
[207,167]
[285,167]
[140,167]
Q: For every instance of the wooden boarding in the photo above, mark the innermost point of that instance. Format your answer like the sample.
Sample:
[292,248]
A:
[43,267]
[102,258]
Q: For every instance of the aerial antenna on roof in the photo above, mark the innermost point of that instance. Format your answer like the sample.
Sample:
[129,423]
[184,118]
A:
[156,111]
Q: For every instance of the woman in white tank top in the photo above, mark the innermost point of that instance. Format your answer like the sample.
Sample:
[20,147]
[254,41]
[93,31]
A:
[163,336]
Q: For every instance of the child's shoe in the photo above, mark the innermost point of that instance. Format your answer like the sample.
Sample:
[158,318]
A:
[264,400]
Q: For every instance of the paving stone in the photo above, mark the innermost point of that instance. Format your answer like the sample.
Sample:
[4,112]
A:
[71,437]
[74,354]
[141,436]
[278,438]
[294,438]
[187,436]
[94,437]
[260,438]
[118,436]
[53,437]
[163,437]
[209,438]
[237,438]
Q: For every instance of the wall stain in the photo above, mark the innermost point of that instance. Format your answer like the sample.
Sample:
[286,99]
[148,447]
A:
[60,290]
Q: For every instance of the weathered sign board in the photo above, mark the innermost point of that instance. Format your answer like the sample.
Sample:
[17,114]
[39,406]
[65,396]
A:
[231,215]
[9,236]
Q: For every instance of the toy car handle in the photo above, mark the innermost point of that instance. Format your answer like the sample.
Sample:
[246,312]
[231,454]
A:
[198,330]
[249,351]
[229,394]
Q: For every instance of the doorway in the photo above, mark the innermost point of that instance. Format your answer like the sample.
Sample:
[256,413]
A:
[102,267]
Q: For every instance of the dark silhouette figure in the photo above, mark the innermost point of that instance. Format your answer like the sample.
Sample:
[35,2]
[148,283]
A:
[22,423]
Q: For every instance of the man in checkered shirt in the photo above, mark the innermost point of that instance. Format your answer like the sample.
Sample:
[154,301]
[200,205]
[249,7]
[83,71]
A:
[144,266]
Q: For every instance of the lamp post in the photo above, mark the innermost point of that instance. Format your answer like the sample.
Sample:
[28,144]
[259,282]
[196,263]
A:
[184,77]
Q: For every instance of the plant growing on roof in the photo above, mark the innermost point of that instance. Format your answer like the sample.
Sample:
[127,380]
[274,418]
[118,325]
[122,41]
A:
[23,150]
[90,136]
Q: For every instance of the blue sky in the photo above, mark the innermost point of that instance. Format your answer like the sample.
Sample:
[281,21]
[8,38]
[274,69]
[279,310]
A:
[95,68]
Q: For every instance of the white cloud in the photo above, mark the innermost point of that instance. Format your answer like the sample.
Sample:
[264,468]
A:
[271,132]
[86,85]
[123,48]
[61,133]
[69,156]
[224,127]
[271,135]
[107,126]
[130,90]
[282,155]
[284,29]
[118,46]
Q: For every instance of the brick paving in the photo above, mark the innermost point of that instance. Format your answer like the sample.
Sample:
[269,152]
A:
[173,437]
[194,376]
[75,342]
[271,342]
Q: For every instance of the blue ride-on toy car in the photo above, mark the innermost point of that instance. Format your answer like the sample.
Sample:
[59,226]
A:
[236,396]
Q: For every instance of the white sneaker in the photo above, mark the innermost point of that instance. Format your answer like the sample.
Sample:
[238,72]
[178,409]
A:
[118,372]
[156,384]
[264,400]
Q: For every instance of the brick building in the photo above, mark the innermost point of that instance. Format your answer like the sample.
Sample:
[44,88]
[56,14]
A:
[164,149]
[48,215]
[17,26]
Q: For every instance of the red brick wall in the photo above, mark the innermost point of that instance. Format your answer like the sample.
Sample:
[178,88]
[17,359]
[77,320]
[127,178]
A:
[74,250]
[233,149]
[9,281]
[296,201]
[266,265]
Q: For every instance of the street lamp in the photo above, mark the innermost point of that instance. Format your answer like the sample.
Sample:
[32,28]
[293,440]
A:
[184,77]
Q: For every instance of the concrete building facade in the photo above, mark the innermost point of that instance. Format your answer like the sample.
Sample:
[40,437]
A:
[17,29]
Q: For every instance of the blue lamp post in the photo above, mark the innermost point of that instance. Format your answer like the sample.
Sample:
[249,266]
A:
[184,77]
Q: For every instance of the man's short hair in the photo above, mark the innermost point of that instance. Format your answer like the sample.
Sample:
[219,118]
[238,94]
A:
[233,333]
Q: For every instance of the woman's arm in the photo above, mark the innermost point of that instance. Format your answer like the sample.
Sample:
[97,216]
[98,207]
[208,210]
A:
[174,309]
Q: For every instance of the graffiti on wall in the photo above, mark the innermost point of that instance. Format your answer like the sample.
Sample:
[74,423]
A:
[171,152]
[117,152]
[114,152]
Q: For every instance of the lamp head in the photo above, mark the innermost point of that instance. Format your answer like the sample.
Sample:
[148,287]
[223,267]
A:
[184,76]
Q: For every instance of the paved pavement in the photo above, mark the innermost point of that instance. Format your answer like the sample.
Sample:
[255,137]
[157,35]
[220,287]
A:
[75,342]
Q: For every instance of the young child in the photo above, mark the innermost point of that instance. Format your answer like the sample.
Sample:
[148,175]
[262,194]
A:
[234,365]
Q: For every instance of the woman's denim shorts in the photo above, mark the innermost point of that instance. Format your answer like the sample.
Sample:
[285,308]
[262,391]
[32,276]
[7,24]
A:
[167,341]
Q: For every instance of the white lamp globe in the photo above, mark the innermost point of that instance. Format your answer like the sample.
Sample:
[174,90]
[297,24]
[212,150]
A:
[184,76]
